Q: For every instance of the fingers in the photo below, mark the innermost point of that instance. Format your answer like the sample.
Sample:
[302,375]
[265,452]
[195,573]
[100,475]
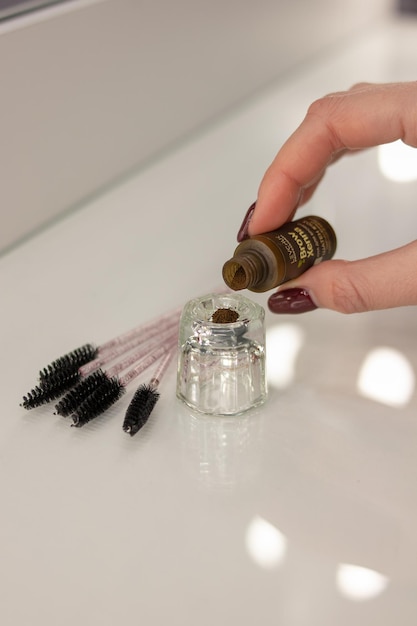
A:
[380,282]
[366,115]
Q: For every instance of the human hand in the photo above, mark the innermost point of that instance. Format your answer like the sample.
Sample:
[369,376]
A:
[366,115]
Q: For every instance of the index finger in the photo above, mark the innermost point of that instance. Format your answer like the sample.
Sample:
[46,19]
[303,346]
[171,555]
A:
[365,116]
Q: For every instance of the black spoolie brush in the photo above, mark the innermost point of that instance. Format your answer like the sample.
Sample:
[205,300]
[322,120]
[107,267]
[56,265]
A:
[50,389]
[144,399]
[59,376]
[75,359]
[70,361]
[55,382]
[114,387]
[42,394]
[86,385]
[107,394]
[84,388]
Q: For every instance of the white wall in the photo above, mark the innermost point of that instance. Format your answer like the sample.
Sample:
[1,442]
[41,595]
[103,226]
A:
[93,88]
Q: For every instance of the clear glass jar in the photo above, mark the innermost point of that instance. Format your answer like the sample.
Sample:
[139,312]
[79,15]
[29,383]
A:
[221,366]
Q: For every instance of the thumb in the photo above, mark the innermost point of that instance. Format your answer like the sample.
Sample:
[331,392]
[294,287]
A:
[379,282]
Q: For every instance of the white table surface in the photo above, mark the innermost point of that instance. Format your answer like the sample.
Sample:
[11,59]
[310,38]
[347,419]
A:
[303,513]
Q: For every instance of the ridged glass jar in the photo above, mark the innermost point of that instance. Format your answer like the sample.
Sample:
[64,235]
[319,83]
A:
[221,365]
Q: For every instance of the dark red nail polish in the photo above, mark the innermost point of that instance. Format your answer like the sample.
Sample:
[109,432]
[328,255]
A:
[292,301]
[243,230]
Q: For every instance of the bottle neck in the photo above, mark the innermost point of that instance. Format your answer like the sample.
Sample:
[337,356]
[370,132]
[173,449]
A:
[245,270]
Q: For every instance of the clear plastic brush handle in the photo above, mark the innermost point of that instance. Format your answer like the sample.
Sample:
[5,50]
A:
[143,351]
[147,361]
[142,329]
[142,338]
[161,369]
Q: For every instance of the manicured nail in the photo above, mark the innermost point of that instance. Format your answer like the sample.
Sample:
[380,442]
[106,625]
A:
[243,230]
[292,301]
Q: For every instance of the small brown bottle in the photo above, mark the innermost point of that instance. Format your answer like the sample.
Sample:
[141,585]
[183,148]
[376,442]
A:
[265,261]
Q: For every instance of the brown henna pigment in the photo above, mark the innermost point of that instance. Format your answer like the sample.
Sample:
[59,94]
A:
[225,316]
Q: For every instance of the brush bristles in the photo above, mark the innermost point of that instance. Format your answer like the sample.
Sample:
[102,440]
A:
[59,382]
[76,396]
[139,409]
[35,397]
[69,362]
[99,401]
[49,390]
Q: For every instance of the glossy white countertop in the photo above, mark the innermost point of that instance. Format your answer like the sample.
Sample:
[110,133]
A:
[302,513]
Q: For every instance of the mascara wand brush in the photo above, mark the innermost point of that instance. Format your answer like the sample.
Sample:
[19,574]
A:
[75,359]
[56,381]
[112,389]
[144,399]
[87,385]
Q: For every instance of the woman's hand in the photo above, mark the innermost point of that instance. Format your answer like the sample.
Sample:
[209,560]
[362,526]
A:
[366,115]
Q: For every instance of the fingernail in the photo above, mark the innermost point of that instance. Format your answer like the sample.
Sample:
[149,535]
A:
[243,230]
[292,301]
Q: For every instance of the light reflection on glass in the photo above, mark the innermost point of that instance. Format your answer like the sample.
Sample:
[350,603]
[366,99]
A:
[398,162]
[284,342]
[387,376]
[360,583]
[265,544]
